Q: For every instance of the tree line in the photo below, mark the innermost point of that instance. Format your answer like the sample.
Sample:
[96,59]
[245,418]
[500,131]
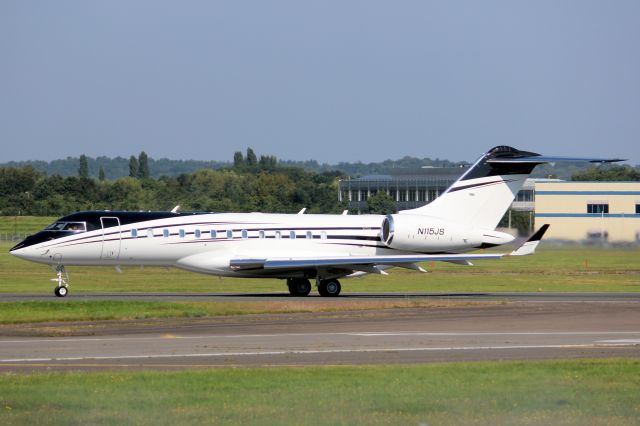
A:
[251,184]
[114,168]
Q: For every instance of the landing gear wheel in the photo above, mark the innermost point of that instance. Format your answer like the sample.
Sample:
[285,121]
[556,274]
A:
[61,291]
[329,288]
[62,280]
[299,286]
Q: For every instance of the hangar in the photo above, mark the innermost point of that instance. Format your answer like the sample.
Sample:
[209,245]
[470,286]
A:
[596,211]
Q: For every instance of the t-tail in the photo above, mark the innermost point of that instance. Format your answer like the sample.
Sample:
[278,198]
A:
[482,195]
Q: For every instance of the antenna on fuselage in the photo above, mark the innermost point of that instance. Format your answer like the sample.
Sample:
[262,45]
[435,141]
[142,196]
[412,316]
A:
[345,212]
[302,211]
[176,209]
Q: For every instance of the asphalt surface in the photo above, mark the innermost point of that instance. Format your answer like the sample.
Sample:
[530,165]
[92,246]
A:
[570,327]
[283,296]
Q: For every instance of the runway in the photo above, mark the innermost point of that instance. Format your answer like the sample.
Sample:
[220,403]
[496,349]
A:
[517,330]
[282,296]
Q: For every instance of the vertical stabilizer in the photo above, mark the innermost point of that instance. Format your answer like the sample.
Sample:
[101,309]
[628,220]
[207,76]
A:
[482,195]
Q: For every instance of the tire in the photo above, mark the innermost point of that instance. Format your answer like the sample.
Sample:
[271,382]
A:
[329,288]
[299,287]
[61,291]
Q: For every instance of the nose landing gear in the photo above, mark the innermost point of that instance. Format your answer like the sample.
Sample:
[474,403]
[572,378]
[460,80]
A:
[62,289]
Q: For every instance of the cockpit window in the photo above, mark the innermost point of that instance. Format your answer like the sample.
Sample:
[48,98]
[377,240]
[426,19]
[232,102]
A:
[67,226]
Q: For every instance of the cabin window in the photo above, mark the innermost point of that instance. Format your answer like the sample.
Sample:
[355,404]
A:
[181,233]
[278,234]
[213,233]
[165,233]
[292,235]
[197,233]
[261,234]
[134,233]
[229,233]
[323,235]
[637,208]
[150,233]
[309,235]
[244,234]
[67,226]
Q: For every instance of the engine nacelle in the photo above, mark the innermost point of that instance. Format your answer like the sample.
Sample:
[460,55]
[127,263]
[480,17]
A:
[426,234]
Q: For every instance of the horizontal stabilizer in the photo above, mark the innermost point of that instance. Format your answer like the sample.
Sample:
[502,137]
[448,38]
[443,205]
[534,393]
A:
[529,247]
[539,159]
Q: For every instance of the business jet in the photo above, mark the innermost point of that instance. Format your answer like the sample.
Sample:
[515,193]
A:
[301,247]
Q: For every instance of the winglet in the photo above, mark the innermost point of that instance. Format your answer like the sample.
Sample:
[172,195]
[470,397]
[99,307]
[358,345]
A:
[529,247]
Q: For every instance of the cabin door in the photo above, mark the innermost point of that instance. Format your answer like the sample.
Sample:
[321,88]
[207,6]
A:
[110,238]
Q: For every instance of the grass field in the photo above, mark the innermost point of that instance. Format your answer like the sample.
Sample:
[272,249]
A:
[98,310]
[581,392]
[23,224]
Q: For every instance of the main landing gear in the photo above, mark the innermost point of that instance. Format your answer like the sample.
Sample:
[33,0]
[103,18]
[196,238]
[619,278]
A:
[62,289]
[299,286]
[302,287]
[329,288]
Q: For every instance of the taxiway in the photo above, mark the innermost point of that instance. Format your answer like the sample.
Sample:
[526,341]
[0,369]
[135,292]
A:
[532,329]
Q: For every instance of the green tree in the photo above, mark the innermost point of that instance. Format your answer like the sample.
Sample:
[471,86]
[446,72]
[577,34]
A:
[268,162]
[381,203]
[238,159]
[134,167]
[612,173]
[83,170]
[143,165]
[101,176]
[252,160]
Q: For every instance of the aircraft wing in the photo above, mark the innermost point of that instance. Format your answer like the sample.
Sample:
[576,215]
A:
[369,263]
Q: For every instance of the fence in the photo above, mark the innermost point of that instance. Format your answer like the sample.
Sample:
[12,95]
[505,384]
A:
[14,236]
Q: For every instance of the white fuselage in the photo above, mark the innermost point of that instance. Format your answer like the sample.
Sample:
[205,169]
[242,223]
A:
[207,243]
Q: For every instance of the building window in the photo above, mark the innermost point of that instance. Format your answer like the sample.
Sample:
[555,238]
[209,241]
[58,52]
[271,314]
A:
[392,194]
[229,233]
[134,233]
[165,233]
[197,233]
[244,234]
[402,195]
[525,195]
[213,233]
[422,195]
[412,195]
[363,195]
[598,208]
[181,233]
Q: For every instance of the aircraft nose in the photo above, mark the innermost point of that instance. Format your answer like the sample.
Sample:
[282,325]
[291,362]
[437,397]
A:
[17,247]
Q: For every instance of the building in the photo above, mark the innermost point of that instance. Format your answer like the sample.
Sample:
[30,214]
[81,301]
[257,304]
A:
[410,188]
[413,188]
[601,211]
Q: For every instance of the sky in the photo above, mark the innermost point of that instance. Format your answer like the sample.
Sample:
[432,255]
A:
[325,80]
